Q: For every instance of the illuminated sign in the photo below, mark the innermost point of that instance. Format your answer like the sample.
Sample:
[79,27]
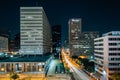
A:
[75,20]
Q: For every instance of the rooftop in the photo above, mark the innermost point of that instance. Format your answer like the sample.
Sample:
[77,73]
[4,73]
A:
[26,58]
[112,33]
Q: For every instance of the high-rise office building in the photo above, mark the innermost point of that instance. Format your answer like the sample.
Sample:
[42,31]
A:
[3,44]
[35,40]
[74,35]
[35,32]
[107,54]
[56,38]
[87,43]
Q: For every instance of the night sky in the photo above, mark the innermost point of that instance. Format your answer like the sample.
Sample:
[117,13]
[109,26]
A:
[97,15]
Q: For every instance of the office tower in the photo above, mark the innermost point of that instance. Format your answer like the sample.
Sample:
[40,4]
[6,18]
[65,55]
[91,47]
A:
[17,42]
[56,38]
[3,44]
[14,44]
[87,43]
[35,31]
[107,54]
[74,35]
[35,40]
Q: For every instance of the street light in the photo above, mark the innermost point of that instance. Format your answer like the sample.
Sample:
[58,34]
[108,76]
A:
[2,69]
[40,69]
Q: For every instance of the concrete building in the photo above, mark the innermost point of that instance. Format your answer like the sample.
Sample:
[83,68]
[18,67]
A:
[3,44]
[25,64]
[107,54]
[35,32]
[74,35]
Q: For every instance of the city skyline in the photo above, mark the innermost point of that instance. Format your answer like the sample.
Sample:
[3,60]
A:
[38,51]
[102,16]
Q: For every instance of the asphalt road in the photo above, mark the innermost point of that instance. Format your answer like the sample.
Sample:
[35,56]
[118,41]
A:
[77,72]
[56,71]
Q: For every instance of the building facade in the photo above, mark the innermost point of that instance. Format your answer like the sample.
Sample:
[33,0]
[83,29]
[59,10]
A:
[74,35]
[87,43]
[107,54]
[25,64]
[56,38]
[3,44]
[35,32]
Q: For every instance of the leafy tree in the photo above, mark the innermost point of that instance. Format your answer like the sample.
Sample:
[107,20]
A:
[89,66]
[14,76]
[74,57]
[115,76]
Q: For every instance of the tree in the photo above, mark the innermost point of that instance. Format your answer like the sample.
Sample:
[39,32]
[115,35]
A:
[74,57]
[89,66]
[14,76]
[115,76]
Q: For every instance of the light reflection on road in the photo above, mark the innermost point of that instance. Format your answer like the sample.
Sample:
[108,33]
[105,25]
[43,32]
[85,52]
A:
[80,75]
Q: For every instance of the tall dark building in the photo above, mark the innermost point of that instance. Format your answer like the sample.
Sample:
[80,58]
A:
[75,29]
[17,41]
[56,38]
[87,43]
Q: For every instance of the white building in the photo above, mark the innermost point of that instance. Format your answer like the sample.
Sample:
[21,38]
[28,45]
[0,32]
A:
[107,54]
[3,44]
[35,31]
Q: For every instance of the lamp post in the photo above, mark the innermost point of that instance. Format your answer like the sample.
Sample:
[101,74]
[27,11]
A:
[2,69]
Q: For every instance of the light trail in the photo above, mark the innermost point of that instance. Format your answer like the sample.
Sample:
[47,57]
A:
[79,73]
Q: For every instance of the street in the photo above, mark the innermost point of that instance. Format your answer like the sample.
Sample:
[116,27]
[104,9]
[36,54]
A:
[56,71]
[77,72]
